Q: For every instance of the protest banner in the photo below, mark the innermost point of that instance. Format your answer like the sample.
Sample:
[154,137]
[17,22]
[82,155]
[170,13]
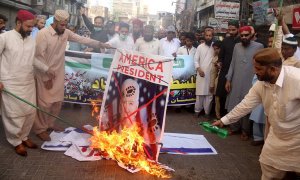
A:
[227,10]
[86,75]
[219,25]
[137,94]
[183,86]
[270,18]
[296,18]
[260,11]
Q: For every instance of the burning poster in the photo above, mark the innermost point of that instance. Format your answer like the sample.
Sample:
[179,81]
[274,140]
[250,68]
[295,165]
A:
[183,87]
[133,110]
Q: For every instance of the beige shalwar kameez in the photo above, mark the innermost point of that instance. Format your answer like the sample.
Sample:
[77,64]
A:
[50,49]
[281,101]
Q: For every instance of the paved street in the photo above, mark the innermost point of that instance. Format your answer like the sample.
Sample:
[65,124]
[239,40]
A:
[236,159]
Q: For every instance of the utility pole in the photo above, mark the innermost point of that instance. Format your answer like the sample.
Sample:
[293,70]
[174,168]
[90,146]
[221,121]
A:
[244,12]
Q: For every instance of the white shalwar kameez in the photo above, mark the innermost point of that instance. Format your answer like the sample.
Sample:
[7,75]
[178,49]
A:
[203,59]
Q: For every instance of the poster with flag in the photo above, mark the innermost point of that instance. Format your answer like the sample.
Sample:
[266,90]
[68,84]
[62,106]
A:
[85,77]
[136,94]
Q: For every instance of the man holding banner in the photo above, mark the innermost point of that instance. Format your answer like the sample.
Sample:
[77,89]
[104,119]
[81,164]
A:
[50,49]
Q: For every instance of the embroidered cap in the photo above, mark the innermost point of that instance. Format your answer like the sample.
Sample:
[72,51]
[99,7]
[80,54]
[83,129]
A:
[61,15]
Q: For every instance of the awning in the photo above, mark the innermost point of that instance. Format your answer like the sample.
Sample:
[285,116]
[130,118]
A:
[18,6]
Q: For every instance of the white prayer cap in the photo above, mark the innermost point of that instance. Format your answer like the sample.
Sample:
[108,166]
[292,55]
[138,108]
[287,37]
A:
[61,15]
[273,27]
[290,41]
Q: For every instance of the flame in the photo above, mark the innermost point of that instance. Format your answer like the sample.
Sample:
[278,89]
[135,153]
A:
[127,148]
[95,110]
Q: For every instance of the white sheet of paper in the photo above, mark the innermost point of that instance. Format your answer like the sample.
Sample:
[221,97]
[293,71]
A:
[78,138]
[186,144]
[79,154]
[55,144]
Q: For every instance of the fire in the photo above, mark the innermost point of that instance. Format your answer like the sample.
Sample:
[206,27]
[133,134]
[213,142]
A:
[127,148]
[95,110]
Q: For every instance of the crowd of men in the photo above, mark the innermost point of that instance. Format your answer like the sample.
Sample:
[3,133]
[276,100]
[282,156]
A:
[254,83]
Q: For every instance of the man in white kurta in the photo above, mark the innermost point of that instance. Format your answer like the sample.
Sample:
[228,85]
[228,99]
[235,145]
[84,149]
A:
[170,44]
[203,64]
[188,48]
[278,91]
[123,40]
[50,49]
[16,74]
[147,43]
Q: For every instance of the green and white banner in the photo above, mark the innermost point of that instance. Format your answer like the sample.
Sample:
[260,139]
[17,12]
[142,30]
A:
[86,75]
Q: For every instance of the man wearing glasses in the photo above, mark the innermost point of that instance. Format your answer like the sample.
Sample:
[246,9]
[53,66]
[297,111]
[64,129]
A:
[239,77]
[51,43]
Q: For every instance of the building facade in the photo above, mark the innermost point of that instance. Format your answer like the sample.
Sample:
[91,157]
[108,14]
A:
[9,8]
[184,14]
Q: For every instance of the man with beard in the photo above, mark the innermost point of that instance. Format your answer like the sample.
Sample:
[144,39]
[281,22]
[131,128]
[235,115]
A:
[50,49]
[137,29]
[97,31]
[40,24]
[225,57]
[278,91]
[148,44]
[203,64]
[3,20]
[240,76]
[161,34]
[17,75]
[110,29]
